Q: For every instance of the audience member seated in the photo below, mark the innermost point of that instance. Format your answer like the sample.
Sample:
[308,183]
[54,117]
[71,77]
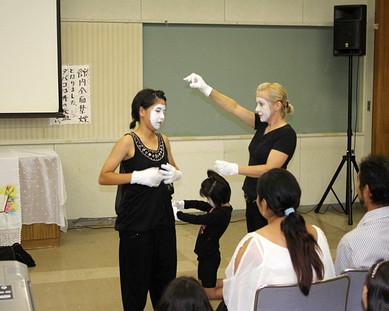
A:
[184,293]
[369,241]
[375,295]
[286,251]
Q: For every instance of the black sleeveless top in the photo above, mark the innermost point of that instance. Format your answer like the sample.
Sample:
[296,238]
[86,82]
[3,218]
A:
[141,208]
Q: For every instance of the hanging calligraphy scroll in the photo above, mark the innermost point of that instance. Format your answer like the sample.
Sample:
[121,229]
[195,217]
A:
[75,95]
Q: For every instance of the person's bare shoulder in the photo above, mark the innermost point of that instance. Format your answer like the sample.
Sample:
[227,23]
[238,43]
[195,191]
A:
[311,230]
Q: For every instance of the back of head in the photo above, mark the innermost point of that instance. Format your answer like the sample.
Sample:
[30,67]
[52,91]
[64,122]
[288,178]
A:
[184,293]
[282,193]
[377,282]
[280,189]
[216,187]
[374,172]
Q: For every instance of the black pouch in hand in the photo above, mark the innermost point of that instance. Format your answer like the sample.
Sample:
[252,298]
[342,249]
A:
[170,188]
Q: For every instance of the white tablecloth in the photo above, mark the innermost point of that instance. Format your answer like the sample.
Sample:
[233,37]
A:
[42,187]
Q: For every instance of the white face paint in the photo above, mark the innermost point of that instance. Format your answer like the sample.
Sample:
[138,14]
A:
[263,109]
[209,200]
[157,116]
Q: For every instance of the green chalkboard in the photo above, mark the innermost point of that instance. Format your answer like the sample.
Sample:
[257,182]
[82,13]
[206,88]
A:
[234,60]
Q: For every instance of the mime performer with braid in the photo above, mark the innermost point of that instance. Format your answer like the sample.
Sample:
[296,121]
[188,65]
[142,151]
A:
[145,220]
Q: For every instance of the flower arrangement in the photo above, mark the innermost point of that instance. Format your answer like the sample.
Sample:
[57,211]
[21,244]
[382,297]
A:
[9,192]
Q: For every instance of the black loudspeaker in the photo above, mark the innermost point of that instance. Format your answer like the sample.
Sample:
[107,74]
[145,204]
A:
[349,30]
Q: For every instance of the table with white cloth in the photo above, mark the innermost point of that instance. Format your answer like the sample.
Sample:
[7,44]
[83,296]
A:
[42,195]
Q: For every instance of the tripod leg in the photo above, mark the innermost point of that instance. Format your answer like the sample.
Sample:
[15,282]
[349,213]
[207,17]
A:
[357,170]
[349,210]
[349,200]
[355,164]
[317,209]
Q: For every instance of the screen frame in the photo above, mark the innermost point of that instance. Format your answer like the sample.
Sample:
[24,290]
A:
[54,15]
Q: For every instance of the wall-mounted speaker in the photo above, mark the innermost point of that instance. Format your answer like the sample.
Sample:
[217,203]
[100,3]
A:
[349,30]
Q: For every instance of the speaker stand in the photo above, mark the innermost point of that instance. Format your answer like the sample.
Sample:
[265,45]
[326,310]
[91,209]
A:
[348,158]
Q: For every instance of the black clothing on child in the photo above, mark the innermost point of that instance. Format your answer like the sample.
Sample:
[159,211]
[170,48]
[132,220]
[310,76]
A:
[213,224]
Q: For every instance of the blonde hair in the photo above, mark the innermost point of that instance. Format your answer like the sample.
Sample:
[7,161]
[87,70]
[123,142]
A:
[277,93]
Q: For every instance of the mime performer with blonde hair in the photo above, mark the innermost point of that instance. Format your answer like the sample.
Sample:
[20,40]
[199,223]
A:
[272,145]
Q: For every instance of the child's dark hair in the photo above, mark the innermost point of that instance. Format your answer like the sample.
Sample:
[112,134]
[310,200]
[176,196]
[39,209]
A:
[184,293]
[216,188]
[282,192]
[145,99]
[377,283]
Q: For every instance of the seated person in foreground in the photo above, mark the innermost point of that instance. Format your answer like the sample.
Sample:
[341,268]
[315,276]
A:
[375,294]
[369,241]
[184,293]
[286,251]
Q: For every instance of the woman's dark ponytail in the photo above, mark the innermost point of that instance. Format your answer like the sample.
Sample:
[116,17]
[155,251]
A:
[303,250]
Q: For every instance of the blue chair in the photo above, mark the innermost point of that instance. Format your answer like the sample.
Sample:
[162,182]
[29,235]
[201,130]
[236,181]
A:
[357,281]
[330,294]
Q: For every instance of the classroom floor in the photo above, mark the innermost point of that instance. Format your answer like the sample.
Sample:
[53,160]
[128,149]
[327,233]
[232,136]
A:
[82,274]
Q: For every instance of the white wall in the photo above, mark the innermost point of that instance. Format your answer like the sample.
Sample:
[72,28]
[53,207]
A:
[265,12]
[314,163]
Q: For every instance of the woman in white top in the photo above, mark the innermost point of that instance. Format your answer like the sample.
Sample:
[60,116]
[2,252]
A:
[286,251]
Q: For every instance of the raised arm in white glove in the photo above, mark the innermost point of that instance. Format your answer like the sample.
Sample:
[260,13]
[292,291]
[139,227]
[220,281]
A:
[149,177]
[179,205]
[197,82]
[170,173]
[226,168]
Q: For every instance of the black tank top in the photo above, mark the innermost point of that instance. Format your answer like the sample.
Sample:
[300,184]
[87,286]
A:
[141,208]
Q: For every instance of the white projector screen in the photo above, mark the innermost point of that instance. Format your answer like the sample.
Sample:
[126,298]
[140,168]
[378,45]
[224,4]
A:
[30,58]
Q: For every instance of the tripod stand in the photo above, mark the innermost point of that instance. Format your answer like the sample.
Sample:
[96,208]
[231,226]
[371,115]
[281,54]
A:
[348,158]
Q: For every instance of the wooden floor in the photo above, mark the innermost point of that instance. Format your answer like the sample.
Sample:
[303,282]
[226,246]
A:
[82,274]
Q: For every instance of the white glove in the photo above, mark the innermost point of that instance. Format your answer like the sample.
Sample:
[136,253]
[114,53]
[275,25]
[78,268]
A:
[170,173]
[149,177]
[226,168]
[175,212]
[179,205]
[197,82]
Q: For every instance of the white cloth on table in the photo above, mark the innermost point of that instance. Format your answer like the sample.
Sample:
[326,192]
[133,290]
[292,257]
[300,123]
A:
[42,187]
[10,207]
[264,263]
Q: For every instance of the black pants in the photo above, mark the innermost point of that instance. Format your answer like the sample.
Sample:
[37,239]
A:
[148,262]
[222,306]
[254,219]
[207,270]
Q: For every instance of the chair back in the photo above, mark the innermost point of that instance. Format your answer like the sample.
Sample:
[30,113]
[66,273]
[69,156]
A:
[330,294]
[357,280]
